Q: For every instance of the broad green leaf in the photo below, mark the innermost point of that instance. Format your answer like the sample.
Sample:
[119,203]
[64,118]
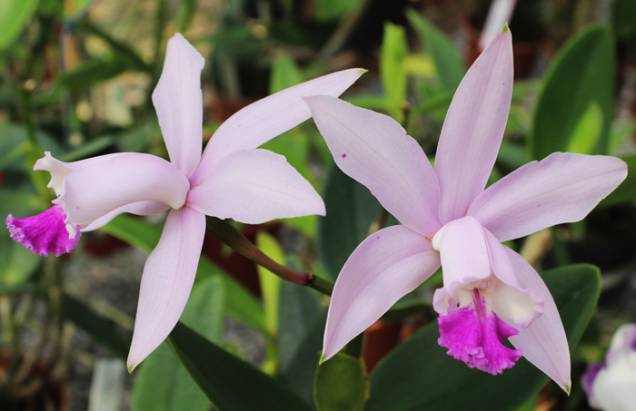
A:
[446,58]
[162,383]
[626,192]
[341,384]
[301,326]
[270,282]
[588,130]
[14,15]
[239,303]
[392,69]
[332,9]
[104,330]
[581,75]
[285,73]
[398,380]
[231,384]
[351,210]
[15,146]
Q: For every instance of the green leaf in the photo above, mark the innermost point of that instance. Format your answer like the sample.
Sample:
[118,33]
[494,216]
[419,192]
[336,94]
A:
[270,282]
[162,383]
[239,303]
[341,384]
[106,331]
[397,381]
[14,15]
[185,14]
[231,384]
[91,72]
[626,192]
[285,73]
[582,75]
[446,58]
[301,327]
[351,210]
[588,130]
[392,69]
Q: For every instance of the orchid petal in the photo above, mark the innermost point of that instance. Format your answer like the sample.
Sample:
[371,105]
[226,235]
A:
[463,253]
[562,188]
[90,189]
[375,150]
[143,208]
[384,267]
[166,282]
[179,103]
[255,186]
[543,342]
[474,127]
[263,120]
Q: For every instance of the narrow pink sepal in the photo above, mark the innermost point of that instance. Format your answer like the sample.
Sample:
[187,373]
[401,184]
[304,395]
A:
[383,268]
[475,338]
[562,188]
[44,233]
[375,150]
[265,119]
[474,127]
[179,103]
[166,282]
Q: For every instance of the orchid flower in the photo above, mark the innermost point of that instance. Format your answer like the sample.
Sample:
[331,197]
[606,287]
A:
[231,179]
[499,13]
[490,293]
[611,386]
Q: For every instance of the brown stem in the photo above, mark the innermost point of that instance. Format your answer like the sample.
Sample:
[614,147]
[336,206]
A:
[225,232]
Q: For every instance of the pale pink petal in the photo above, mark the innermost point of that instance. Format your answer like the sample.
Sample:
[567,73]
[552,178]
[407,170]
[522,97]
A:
[464,255]
[166,282]
[543,342]
[499,14]
[474,127]
[387,265]
[562,188]
[179,103]
[263,120]
[375,150]
[143,208]
[255,186]
[91,189]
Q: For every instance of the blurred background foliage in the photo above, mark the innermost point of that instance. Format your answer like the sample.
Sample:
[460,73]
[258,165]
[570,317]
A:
[76,80]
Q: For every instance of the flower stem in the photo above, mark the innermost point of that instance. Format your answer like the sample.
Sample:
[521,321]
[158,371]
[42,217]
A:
[225,232]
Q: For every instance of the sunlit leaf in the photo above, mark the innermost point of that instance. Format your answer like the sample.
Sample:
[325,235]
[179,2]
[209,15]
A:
[580,76]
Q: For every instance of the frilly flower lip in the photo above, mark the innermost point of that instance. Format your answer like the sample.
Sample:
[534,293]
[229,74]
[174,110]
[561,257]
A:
[474,334]
[44,233]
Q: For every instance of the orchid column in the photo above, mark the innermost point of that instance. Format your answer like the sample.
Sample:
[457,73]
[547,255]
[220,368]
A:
[232,179]
[490,293]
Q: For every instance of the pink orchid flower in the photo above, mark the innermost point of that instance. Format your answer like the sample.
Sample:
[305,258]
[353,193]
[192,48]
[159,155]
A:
[490,293]
[232,179]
